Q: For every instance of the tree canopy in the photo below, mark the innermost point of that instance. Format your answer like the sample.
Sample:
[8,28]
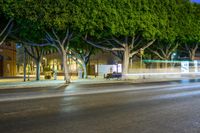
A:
[121,26]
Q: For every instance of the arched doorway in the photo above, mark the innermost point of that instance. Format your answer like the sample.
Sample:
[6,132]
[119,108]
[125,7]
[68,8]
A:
[1,66]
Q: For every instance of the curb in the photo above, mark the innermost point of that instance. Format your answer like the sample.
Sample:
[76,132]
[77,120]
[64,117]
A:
[31,84]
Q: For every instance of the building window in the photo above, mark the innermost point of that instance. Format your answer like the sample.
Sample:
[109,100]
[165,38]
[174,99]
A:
[8,44]
[8,58]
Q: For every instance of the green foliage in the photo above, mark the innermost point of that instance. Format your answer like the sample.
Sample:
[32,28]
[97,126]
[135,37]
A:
[46,12]
[189,24]
[152,19]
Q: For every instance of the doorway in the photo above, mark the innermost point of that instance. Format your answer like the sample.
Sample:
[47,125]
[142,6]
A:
[1,66]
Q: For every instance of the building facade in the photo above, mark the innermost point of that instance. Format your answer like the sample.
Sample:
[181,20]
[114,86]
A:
[7,59]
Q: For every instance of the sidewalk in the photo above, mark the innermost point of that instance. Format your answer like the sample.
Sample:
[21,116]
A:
[31,84]
[18,82]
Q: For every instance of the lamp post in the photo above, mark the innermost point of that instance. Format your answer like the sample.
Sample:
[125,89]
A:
[116,67]
[28,68]
[172,58]
[141,64]
[24,65]
[141,54]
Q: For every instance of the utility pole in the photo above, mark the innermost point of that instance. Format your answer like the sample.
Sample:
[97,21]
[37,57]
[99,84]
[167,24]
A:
[24,64]
[141,54]
[141,64]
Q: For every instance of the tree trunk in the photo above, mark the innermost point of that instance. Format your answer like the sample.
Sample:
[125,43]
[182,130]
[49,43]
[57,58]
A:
[84,70]
[167,58]
[166,65]
[125,62]
[38,70]
[192,55]
[65,66]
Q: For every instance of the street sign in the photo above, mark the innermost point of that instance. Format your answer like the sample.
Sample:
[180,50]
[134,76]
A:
[185,66]
[195,66]
[142,51]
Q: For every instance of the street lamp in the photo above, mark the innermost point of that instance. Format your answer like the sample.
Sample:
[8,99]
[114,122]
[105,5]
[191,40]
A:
[173,56]
[141,64]
[116,66]
[141,54]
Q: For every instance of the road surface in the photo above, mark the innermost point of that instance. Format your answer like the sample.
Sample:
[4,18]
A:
[122,107]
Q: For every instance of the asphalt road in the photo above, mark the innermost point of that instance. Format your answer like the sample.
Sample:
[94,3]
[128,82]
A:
[123,107]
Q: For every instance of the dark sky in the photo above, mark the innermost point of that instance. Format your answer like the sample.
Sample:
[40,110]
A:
[197,1]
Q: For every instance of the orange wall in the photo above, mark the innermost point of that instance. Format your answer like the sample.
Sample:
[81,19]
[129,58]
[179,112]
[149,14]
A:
[8,51]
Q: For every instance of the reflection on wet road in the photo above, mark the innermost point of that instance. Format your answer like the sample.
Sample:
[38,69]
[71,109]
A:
[165,107]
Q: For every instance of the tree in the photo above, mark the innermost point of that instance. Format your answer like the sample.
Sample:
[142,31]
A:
[123,27]
[30,35]
[51,17]
[125,50]
[36,53]
[62,46]
[182,29]
[81,52]
[191,49]
[189,34]
[164,50]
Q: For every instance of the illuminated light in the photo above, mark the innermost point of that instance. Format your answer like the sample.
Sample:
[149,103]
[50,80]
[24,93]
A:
[167,73]
[165,61]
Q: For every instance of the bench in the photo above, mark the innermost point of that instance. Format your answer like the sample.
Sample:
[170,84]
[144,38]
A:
[113,75]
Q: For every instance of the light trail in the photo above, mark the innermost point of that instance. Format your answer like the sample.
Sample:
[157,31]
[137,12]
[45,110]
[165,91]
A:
[30,96]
